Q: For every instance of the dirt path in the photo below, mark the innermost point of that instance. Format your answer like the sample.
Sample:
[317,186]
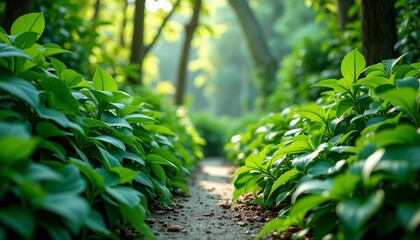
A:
[208,212]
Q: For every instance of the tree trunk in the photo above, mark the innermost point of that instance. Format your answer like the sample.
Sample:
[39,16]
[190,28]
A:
[182,68]
[124,23]
[138,48]
[15,9]
[343,7]
[265,66]
[378,30]
[137,44]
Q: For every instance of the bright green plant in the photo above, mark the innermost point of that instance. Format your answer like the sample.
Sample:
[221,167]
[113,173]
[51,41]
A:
[347,167]
[79,157]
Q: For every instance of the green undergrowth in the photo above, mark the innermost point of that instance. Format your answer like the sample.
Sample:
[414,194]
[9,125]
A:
[346,166]
[78,157]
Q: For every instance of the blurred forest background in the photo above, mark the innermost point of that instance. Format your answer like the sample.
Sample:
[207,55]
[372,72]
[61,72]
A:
[228,61]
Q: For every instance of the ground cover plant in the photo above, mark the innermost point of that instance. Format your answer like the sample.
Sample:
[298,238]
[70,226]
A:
[346,166]
[79,158]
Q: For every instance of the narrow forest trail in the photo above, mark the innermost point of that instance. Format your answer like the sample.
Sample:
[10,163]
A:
[209,213]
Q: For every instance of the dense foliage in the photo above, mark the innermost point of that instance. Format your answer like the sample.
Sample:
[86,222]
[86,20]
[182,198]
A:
[80,158]
[346,166]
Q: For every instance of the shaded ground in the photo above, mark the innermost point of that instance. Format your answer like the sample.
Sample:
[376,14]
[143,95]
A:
[208,212]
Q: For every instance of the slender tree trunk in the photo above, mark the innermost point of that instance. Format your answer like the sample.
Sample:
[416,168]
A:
[124,23]
[343,7]
[182,68]
[265,65]
[378,30]
[15,9]
[137,48]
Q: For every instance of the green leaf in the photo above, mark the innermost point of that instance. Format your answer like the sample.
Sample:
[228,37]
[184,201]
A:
[18,130]
[144,179]
[312,186]
[25,40]
[110,178]
[102,80]
[20,89]
[109,159]
[277,224]
[294,147]
[47,129]
[71,183]
[285,177]
[70,77]
[154,158]
[113,121]
[356,212]
[58,117]
[353,65]
[111,140]
[96,223]
[94,178]
[136,216]
[409,215]
[19,219]
[139,118]
[32,22]
[411,82]
[303,206]
[59,96]
[159,129]
[126,174]
[406,99]
[17,149]
[126,195]
[39,172]
[12,51]
[330,83]
[58,66]
[314,113]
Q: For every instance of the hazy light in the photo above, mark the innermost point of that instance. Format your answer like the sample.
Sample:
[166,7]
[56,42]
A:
[155,5]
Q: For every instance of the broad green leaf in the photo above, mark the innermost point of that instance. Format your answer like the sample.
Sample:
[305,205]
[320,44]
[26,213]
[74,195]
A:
[277,224]
[330,83]
[302,161]
[353,65]
[102,80]
[32,22]
[47,129]
[114,121]
[21,220]
[159,171]
[25,40]
[401,135]
[312,186]
[126,174]
[409,215]
[411,82]
[59,96]
[343,106]
[12,51]
[71,183]
[303,206]
[285,177]
[139,118]
[325,167]
[58,66]
[134,157]
[126,195]
[294,147]
[70,77]
[344,186]
[18,130]
[144,179]
[94,178]
[72,208]
[96,223]
[406,99]
[39,172]
[371,163]
[109,159]
[390,63]
[159,129]
[55,147]
[136,217]
[356,212]
[58,117]
[110,178]
[313,112]
[49,49]
[20,89]
[111,140]
[154,158]
[56,230]
[17,149]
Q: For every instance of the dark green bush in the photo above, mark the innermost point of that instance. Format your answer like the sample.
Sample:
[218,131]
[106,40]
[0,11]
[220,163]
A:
[78,157]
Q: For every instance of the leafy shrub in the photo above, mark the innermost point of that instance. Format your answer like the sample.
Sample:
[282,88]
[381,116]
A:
[345,167]
[79,157]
